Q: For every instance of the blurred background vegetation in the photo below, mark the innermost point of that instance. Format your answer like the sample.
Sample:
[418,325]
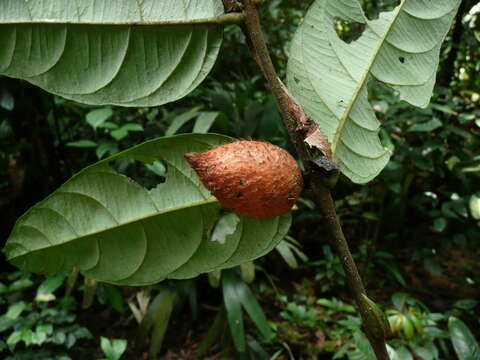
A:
[414,231]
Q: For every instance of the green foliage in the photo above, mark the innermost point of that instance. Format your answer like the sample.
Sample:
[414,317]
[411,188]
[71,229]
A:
[289,250]
[414,226]
[299,314]
[157,318]
[112,246]
[113,349]
[464,343]
[238,296]
[425,332]
[228,328]
[34,321]
[182,41]
[330,269]
[385,51]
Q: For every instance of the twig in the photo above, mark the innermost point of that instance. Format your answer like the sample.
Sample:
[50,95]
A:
[373,320]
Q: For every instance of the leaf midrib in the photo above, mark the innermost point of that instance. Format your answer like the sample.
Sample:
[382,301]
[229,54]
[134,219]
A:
[361,83]
[126,223]
[210,20]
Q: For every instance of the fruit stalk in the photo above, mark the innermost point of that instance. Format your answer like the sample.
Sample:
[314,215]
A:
[373,325]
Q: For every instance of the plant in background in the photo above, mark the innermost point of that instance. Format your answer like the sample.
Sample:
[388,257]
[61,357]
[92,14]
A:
[237,298]
[154,312]
[415,333]
[298,314]
[113,349]
[116,231]
[289,249]
[43,320]
[321,327]
[415,328]
[329,269]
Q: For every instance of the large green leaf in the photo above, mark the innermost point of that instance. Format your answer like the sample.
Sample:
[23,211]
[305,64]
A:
[129,52]
[116,231]
[329,77]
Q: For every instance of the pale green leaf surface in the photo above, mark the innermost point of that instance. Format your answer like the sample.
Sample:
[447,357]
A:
[116,231]
[98,116]
[92,52]
[329,77]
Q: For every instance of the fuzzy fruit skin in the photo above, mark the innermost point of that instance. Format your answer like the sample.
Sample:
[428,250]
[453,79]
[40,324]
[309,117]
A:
[252,178]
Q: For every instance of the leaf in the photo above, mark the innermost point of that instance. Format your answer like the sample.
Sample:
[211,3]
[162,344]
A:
[287,254]
[234,312]
[403,354]
[248,272]
[214,278]
[103,223]
[98,116]
[108,147]
[47,288]
[475,206]
[426,126]
[137,53]
[115,298]
[205,121]
[394,271]
[39,336]
[424,353]
[122,132]
[330,77]
[158,317]
[157,168]
[181,120]
[89,292]
[7,101]
[254,310]
[440,224]
[82,144]
[113,349]
[51,284]
[287,249]
[214,333]
[15,337]
[399,299]
[15,310]
[189,289]
[257,350]
[464,343]
[466,304]
[364,350]
[242,293]
[20,284]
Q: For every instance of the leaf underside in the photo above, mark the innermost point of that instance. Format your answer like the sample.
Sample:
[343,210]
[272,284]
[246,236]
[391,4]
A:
[329,77]
[93,52]
[116,231]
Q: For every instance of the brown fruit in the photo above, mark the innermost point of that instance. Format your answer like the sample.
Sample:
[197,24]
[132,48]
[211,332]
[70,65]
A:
[252,178]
